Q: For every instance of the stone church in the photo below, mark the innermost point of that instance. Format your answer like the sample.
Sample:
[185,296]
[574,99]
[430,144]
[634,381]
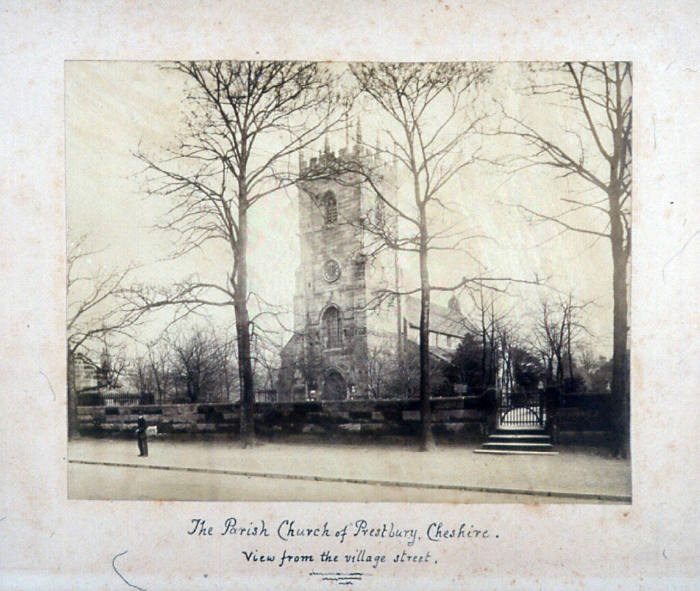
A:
[345,305]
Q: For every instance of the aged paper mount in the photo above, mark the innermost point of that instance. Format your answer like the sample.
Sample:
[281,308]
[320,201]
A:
[51,542]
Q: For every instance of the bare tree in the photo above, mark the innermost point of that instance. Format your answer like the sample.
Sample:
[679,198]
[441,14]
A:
[96,310]
[588,362]
[555,336]
[196,365]
[152,372]
[226,360]
[142,378]
[487,328]
[246,120]
[96,302]
[597,152]
[432,111]
[265,350]
[113,366]
[506,353]
[548,339]
[403,374]
[158,365]
[378,367]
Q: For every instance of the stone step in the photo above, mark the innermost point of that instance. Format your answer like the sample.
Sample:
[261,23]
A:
[518,431]
[517,445]
[518,441]
[505,452]
[520,437]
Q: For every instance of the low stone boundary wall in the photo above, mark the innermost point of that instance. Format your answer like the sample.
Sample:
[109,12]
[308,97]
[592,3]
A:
[575,418]
[582,418]
[461,416]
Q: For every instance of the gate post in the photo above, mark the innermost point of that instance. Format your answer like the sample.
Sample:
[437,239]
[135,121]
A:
[493,405]
[551,401]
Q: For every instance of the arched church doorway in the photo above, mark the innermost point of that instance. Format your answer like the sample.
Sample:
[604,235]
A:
[334,387]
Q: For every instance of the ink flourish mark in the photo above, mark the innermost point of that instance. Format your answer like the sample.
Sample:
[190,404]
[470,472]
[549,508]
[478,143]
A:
[114,566]
[340,578]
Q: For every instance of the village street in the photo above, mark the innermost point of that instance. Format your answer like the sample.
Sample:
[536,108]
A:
[223,471]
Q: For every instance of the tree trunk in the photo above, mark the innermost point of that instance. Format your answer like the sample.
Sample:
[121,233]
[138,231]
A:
[245,368]
[620,386]
[426,439]
[493,353]
[568,350]
[399,313]
[560,366]
[484,381]
[482,309]
[72,402]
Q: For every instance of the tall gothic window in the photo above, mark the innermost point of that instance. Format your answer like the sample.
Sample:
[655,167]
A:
[331,213]
[331,327]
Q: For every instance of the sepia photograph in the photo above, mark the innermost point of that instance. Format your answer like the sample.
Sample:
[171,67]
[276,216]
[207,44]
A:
[349,281]
[316,295]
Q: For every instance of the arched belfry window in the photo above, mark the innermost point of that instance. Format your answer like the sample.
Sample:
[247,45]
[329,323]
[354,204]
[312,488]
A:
[332,329]
[359,266]
[331,209]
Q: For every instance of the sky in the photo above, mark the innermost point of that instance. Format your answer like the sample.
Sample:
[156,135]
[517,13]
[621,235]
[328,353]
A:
[114,109]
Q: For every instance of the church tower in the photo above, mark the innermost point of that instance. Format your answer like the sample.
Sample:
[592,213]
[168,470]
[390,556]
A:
[338,316]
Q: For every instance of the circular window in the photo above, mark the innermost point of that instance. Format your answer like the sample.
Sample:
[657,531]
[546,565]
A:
[331,271]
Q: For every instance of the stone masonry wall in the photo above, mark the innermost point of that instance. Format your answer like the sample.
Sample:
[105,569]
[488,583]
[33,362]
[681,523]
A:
[461,416]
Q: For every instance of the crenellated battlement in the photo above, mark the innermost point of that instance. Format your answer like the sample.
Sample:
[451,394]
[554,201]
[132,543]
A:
[353,153]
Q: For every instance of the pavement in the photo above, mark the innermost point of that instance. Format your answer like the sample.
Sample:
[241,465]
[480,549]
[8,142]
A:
[220,470]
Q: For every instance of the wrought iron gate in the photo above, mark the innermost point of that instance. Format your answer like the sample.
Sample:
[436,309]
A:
[522,409]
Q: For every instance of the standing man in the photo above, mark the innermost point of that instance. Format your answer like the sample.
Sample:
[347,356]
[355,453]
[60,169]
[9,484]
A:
[142,436]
